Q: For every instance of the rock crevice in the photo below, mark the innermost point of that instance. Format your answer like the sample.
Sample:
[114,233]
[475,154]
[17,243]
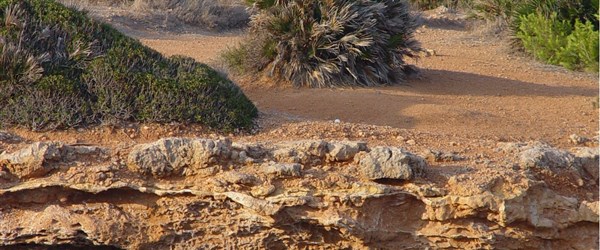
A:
[297,194]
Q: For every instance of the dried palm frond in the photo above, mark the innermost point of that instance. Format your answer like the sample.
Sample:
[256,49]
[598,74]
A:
[337,42]
[18,67]
[13,16]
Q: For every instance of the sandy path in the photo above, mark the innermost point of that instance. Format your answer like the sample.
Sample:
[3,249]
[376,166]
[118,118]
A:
[203,48]
[471,88]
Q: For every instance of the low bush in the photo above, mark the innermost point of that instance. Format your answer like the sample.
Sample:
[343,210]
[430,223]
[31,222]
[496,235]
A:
[556,42]
[544,37]
[560,32]
[581,51]
[494,9]
[329,43]
[212,14]
[568,10]
[60,69]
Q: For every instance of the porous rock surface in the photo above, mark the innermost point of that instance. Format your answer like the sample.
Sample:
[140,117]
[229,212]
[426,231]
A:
[8,137]
[39,158]
[581,163]
[307,194]
[391,163]
[176,155]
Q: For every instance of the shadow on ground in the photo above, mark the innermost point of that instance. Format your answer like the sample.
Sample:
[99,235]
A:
[444,82]
[440,99]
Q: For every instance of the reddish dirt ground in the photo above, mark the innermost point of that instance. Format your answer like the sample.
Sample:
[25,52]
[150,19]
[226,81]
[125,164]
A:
[473,87]
[470,95]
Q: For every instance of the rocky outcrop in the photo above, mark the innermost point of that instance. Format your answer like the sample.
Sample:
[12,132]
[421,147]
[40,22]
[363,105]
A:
[38,159]
[344,151]
[305,152]
[391,163]
[579,163]
[7,137]
[178,156]
[587,158]
[546,157]
[309,194]
[282,169]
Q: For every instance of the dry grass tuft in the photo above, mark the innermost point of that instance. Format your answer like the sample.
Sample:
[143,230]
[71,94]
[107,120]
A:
[208,14]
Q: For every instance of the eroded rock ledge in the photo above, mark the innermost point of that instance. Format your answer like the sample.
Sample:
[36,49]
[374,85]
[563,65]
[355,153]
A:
[200,193]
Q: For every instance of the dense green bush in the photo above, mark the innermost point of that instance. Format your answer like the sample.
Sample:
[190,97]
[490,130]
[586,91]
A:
[581,51]
[560,32]
[60,69]
[555,41]
[569,10]
[513,10]
[318,43]
[544,37]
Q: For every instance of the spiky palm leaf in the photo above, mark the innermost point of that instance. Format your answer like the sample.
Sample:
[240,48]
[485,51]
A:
[35,48]
[325,43]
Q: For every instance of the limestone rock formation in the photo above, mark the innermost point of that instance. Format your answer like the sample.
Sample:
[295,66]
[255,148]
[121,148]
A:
[157,196]
[546,157]
[9,138]
[36,160]
[283,169]
[587,158]
[579,163]
[344,151]
[391,163]
[305,152]
[173,156]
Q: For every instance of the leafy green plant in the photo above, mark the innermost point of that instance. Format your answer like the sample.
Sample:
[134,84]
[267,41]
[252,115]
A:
[560,32]
[250,56]
[581,50]
[569,10]
[556,42]
[60,69]
[330,43]
[544,37]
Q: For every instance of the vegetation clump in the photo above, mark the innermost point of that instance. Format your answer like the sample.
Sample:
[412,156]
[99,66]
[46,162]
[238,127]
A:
[211,14]
[326,43]
[558,42]
[560,32]
[60,69]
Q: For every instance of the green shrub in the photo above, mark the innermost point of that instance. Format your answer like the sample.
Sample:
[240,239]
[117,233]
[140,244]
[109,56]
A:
[569,10]
[560,32]
[556,42]
[581,51]
[252,55]
[329,43]
[544,37]
[512,11]
[60,69]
